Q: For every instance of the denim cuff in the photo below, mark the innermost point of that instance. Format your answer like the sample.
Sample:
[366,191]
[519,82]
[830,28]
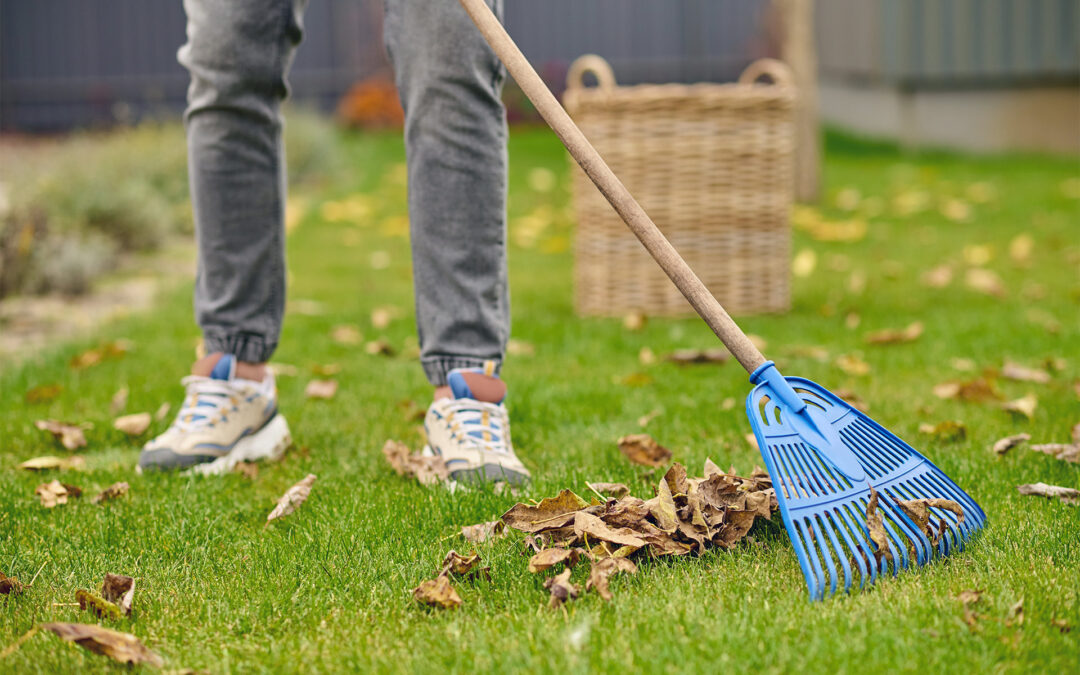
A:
[438,367]
[245,347]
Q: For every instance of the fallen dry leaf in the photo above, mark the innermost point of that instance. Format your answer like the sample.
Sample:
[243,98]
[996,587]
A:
[346,334]
[481,532]
[938,277]
[1067,495]
[551,513]
[293,497]
[463,566]
[10,585]
[803,264]
[644,420]
[428,470]
[852,365]
[1003,445]
[853,398]
[684,357]
[970,596]
[56,493]
[380,347]
[634,321]
[561,589]
[326,369]
[112,492]
[602,571]
[120,590]
[133,425]
[634,380]
[1016,614]
[92,357]
[382,316]
[643,449]
[1023,406]
[50,462]
[894,336]
[162,411]
[70,435]
[962,364]
[977,390]
[1061,624]
[615,490]
[520,348]
[1015,371]
[1066,452]
[547,558]
[437,592]
[918,510]
[122,647]
[119,401]
[875,523]
[646,356]
[249,470]
[588,526]
[985,281]
[322,389]
[948,431]
[43,393]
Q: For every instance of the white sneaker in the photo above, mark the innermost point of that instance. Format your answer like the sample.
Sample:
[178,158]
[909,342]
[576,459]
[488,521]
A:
[225,420]
[472,436]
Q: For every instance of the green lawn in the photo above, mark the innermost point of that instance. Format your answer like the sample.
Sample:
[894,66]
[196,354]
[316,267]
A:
[327,589]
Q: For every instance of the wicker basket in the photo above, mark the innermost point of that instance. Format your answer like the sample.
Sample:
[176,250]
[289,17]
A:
[712,164]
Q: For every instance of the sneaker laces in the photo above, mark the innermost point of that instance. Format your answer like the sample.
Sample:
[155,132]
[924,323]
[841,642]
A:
[207,401]
[483,425]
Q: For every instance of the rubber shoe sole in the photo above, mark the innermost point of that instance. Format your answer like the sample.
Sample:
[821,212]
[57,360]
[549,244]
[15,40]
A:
[487,473]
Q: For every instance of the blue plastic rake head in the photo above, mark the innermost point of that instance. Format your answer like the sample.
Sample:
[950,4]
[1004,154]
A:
[824,456]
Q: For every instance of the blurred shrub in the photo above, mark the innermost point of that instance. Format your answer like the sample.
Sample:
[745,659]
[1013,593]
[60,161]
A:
[69,216]
[371,104]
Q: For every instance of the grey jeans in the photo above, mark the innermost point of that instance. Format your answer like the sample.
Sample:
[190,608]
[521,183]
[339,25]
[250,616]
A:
[238,53]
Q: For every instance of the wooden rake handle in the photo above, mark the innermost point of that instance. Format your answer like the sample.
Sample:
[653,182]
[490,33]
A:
[612,188]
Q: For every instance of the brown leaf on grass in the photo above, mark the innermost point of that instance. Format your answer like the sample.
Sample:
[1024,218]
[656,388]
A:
[382,316]
[875,523]
[685,357]
[635,321]
[949,431]
[412,411]
[1016,614]
[938,277]
[481,532]
[10,585]
[977,390]
[634,380]
[1003,445]
[1015,371]
[346,334]
[1066,452]
[615,490]
[1061,624]
[896,336]
[561,589]
[854,399]
[120,590]
[92,357]
[852,365]
[662,508]
[70,435]
[602,571]
[119,401]
[326,369]
[643,449]
[380,347]
[122,647]
[644,420]
[985,281]
[551,513]
[1023,406]
[463,566]
[437,592]
[321,389]
[162,411]
[969,596]
[751,440]
[1067,495]
[43,393]
[249,470]
[56,493]
[587,525]
[520,348]
[427,470]
[547,558]
[646,356]
[112,492]
[101,607]
[293,498]
[133,425]
[50,462]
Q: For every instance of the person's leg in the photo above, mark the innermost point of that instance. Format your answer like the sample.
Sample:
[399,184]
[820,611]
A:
[450,82]
[238,53]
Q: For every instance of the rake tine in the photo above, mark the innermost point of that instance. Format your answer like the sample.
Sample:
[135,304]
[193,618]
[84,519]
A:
[857,550]
[823,547]
[838,549]
[814,579]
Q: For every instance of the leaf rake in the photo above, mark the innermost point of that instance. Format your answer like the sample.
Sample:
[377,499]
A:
[855,498]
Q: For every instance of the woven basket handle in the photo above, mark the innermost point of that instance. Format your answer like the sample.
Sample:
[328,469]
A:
[775,70]
[590,63]
[612,188]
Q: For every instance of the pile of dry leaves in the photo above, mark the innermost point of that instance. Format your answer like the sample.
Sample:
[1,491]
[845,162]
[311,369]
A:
[686,515]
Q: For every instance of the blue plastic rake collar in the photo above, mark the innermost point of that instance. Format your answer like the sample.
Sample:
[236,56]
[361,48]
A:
[824,456]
